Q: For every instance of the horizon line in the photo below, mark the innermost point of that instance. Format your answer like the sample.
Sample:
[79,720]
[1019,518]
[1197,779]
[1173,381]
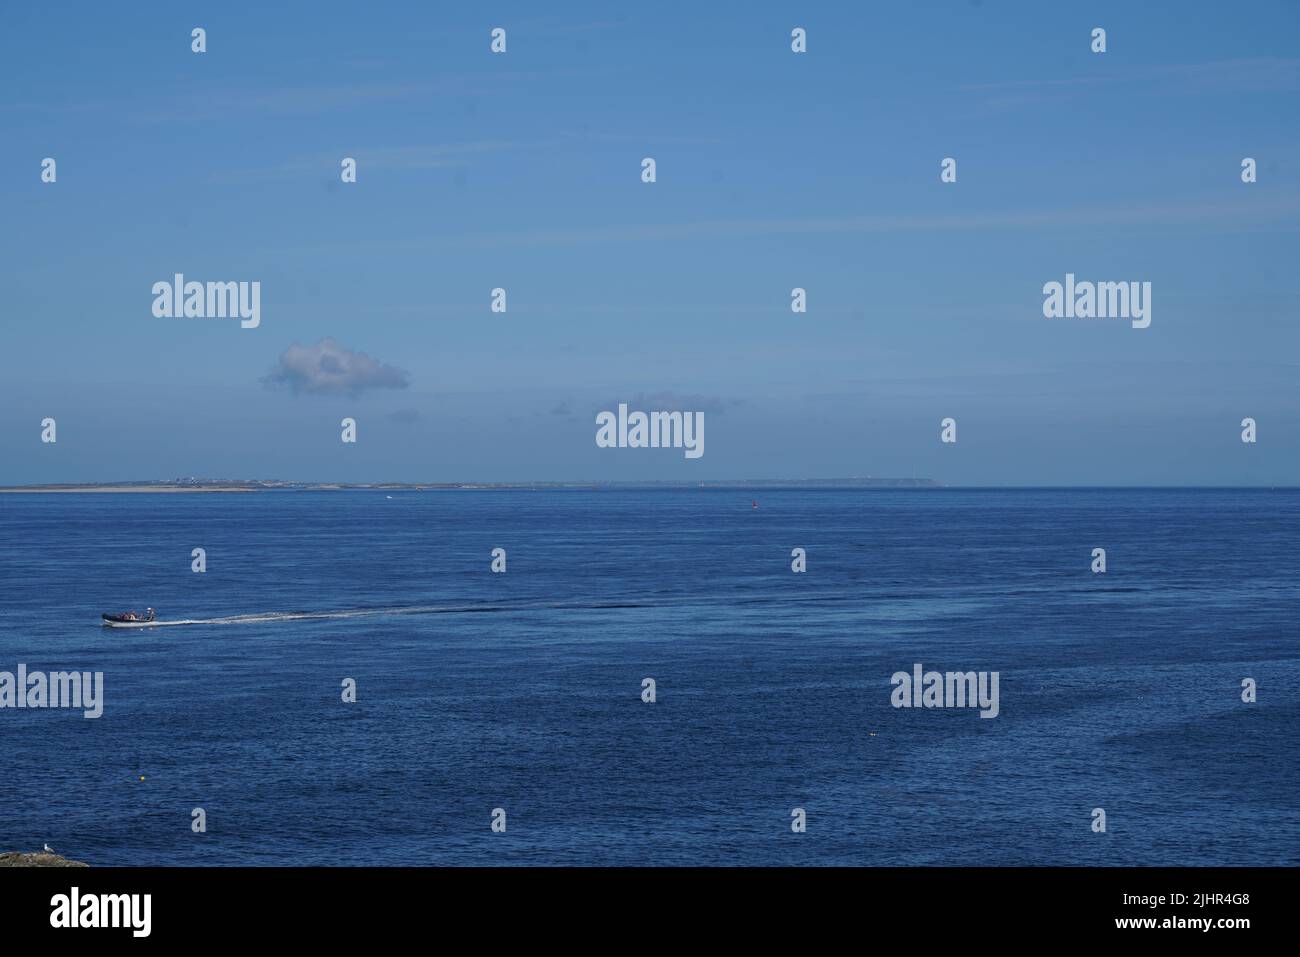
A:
[216,486]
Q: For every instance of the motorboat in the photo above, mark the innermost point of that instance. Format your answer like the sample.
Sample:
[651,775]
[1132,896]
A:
[128,618]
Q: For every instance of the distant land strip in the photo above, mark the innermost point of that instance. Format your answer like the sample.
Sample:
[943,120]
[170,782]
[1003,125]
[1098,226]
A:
[260,485]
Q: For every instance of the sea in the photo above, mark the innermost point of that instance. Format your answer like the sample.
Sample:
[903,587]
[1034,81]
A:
[519,698]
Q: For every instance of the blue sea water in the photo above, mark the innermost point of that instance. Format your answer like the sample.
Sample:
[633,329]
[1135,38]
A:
[522,691]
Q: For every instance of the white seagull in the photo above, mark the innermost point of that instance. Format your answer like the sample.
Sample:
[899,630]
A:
[48,849]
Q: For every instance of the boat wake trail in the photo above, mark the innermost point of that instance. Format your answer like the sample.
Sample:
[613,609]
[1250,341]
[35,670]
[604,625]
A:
[270,616]
[675,601]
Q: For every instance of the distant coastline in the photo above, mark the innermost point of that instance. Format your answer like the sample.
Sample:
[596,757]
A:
[261,485]
[18,489]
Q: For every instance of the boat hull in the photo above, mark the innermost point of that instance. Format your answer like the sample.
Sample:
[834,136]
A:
[117,621]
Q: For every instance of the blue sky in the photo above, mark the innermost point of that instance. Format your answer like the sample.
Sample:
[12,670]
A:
[775,170]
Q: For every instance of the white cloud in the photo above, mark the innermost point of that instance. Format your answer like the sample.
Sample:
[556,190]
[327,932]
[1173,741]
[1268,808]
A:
[329,369]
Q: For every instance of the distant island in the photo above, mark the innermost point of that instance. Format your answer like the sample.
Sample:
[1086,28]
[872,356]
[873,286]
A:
[269,485]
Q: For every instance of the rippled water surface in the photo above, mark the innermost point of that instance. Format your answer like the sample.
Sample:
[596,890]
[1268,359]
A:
[523,691]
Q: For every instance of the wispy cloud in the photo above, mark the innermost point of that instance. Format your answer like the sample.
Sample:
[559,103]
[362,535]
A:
[673,402]
[1280,209]
[285,100]
[1218,213]
[420,157]
[1244,75]
[439,155]
[552,28]
[404,416]
[303,100]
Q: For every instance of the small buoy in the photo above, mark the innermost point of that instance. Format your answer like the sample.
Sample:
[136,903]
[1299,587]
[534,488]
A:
[142,777]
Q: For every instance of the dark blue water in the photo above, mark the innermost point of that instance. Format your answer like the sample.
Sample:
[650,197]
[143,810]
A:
[523,691]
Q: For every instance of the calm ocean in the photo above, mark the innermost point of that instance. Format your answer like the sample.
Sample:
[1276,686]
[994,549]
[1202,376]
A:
[476,690]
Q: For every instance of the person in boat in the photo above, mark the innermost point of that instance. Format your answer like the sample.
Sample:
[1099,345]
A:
[132,616]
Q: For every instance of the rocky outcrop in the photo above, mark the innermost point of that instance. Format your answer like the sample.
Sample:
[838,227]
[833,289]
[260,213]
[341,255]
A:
[38,859]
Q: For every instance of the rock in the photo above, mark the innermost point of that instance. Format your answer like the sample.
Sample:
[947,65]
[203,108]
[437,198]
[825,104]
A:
[38,859]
